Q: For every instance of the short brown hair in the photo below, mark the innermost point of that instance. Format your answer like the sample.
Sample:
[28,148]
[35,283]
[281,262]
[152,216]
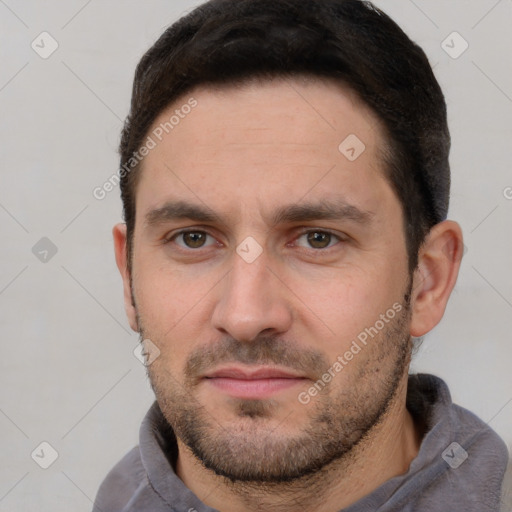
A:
[232,41]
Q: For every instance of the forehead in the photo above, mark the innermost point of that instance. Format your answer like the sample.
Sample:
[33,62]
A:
[271,141]
[302,109]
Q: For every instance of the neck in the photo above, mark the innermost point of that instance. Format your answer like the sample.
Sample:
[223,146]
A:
[386,452]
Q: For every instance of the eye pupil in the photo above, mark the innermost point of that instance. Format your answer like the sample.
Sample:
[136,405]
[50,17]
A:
[319,240]
[194,239]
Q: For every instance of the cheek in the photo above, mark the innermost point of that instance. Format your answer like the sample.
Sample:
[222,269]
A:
[163,293]
[349,304]
[173,307]
[346,308]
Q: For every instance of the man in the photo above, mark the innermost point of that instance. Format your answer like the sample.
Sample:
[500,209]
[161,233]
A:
[285,183]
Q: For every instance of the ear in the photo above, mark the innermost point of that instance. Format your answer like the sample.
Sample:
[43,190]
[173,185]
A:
[438,267]
[119,234]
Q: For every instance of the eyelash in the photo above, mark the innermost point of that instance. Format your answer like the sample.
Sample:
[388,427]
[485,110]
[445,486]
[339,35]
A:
[170,239]
[339,238]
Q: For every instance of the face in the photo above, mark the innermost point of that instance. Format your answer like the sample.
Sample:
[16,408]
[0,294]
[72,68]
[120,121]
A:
[270,270]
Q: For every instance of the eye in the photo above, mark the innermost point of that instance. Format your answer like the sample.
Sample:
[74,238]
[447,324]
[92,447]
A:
[191,239]
[318,239]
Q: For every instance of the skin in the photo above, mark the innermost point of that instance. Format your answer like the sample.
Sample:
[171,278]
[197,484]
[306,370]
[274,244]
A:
[245,153]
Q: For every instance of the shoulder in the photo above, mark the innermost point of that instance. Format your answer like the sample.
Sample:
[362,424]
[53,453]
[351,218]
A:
[506,490]
[120,483]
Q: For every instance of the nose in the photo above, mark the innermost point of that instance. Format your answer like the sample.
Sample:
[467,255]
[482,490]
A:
[252,301]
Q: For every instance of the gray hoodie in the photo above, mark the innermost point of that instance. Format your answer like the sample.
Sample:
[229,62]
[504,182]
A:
[460,465]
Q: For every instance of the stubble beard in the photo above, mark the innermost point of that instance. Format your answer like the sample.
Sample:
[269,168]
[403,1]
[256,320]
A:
[255,449]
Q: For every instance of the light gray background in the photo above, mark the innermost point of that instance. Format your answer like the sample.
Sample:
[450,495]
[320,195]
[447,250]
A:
[68,374]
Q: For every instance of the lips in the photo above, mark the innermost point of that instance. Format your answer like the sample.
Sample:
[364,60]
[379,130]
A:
[252,383]
[251,374]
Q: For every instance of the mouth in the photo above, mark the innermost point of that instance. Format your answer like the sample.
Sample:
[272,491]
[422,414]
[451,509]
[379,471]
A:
[253,382]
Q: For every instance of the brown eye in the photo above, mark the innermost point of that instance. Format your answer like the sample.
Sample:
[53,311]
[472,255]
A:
[192,239]
[319,239]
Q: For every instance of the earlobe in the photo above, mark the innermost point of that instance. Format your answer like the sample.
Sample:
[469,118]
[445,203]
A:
[120,249]
[435,276]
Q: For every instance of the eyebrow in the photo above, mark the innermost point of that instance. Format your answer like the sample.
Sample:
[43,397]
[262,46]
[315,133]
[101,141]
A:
[325,210]
[175,210]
